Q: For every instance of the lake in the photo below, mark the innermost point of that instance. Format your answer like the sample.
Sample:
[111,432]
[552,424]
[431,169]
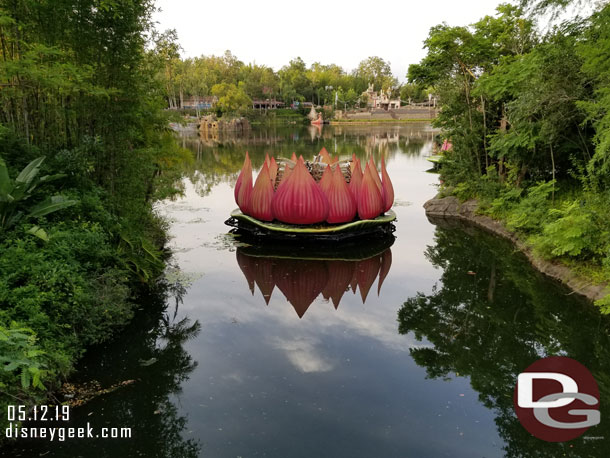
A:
[407,347]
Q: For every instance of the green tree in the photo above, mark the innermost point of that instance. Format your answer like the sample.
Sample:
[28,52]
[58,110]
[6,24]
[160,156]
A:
[595,54]
[377,71]
[231,98]
[294,76]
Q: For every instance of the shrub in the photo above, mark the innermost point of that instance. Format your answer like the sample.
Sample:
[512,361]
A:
[574,233]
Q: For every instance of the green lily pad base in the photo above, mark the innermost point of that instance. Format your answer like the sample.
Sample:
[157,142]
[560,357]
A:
[249,226]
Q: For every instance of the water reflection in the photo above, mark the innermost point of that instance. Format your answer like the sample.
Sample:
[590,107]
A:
[151,352]
[490,318]
[220,157]
[302,280]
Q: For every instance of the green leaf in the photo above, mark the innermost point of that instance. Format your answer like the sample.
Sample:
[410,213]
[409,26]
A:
[50,205]
[37,231]
[11,366]
[49,178]
[30,171]
[5,183]
[25,379]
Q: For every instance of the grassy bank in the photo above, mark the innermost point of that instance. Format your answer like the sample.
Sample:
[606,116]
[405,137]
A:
[560,222]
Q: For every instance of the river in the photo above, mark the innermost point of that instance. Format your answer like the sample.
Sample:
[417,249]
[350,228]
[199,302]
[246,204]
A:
[412,349]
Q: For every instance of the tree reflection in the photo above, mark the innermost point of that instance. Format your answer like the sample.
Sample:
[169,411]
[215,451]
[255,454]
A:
[151,352]
[491,317]
[219,158]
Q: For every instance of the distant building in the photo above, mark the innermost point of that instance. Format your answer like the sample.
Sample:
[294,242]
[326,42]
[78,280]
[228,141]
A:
[381,100]
[267,104]
[200,103]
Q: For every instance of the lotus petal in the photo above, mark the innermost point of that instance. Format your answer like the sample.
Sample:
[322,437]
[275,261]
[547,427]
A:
[262,195]
[356,181]
[294,157]
[370,203]
[300,281]
[340,275]
[342,206]
[286,173]
[366,273]
[375,174]
[263,277]
[325,156]
[354,283]
[273,170]
[327,179]
[244,194]
[247,267]
[240,178]
[387,190]
[386,263]
[299,199]
[352,163]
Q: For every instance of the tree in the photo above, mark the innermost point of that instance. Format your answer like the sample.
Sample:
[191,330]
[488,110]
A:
[295,75]
[260,82]
[457,59]
[595,53]
[231,98]
[377,71]
[413,92]
[167,53]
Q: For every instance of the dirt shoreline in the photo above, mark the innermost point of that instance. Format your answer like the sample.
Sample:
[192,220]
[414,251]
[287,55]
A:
[452,208]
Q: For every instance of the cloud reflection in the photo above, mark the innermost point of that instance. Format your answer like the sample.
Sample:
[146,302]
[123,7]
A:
[304,355]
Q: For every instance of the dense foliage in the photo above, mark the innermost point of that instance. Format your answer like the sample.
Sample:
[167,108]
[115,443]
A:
[528,115]
[236,84]
[83,152]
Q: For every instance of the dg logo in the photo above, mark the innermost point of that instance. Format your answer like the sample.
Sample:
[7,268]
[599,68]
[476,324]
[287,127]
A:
[557,399]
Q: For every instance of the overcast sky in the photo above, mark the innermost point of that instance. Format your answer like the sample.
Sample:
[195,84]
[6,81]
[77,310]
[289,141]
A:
[271,32]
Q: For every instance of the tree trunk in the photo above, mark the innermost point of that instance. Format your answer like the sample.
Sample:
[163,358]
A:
[553,163]
[485,133]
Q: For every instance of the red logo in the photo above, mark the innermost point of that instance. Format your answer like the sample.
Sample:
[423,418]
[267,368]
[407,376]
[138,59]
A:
[557,399]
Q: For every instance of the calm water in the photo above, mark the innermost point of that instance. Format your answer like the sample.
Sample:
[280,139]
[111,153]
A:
[399,348]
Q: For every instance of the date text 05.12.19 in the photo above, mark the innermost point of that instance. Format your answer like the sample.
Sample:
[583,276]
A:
[38,413]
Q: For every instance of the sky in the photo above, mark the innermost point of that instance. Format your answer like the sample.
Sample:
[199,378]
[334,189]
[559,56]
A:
[272,32]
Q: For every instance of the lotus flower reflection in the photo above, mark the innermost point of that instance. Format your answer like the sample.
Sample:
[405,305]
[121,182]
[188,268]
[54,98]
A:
[301,281]
[325,190]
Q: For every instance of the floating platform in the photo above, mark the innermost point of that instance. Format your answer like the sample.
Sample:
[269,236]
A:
[252,227]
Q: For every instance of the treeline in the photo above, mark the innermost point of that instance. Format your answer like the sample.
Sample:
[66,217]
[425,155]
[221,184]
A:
[528,114]
[236,84]
[84,150]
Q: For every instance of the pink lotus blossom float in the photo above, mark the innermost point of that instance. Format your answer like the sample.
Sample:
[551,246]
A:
[342,206]
[243,188]
[370,202]
[323,191]
[299,199]
[262,195]
[387,190]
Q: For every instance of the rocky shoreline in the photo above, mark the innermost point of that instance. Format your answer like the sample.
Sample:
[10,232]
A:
[452,208]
